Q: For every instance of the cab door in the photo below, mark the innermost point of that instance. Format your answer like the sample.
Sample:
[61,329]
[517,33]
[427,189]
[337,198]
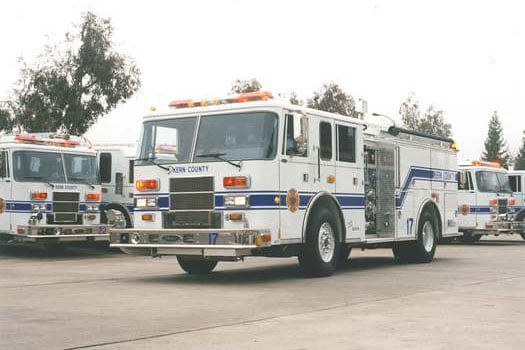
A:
[297,173]
[5,192]
[466,201]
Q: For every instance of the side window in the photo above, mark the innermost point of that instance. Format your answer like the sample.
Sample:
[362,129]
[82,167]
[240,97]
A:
[119,183]
[470,184]
[131,171]
[325,140]
[513,181]
[462,180]
[105,167]
[4,170]
[296,138]
[346,144]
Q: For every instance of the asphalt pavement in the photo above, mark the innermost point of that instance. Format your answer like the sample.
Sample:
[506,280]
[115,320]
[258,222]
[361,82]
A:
[470,296]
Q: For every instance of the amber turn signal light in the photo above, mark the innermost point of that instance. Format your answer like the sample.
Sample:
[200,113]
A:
[92,197]
[39,196]
[147,185]
[236,182]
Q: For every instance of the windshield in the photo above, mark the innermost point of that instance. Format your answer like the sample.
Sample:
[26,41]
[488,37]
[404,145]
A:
[238,136]
[167,141]
[36,166]
[491,181]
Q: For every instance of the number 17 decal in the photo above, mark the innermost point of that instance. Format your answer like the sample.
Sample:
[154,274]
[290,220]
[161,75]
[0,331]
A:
[410,225]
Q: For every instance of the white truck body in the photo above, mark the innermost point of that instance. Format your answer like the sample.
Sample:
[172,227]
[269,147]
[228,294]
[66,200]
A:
[49,190]
[517,185]
[230,180]
[116,164]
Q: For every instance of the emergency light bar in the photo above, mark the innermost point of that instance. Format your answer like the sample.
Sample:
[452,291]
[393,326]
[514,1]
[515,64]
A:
[246,97]
[485,163]
[49,140]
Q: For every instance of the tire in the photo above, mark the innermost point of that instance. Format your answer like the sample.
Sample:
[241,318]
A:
[522,235]
[344,254]
[196,266]
[116,216]
[469,237]
[321,251]
[422,250]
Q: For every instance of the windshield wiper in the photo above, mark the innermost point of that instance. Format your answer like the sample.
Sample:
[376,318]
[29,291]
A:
[152,161]
[84,180]
[39,178]
[219,156]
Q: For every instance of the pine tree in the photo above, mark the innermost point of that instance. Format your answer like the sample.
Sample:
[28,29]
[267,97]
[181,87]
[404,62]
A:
[519,161]
[332,98]
[495,146]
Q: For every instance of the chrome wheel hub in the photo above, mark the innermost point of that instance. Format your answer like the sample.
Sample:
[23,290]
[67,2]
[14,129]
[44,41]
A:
[428,236]
[326,242]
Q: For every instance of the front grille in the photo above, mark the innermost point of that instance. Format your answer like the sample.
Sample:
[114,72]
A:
[192,219]
[66,208]
[192,201]
[502,205]
[188,201]
[191,184]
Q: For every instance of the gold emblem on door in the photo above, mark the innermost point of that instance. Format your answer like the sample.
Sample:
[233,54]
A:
[292,200]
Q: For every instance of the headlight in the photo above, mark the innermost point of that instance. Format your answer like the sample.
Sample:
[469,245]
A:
[237,201]
[38,207]
[145,202]
[91,207]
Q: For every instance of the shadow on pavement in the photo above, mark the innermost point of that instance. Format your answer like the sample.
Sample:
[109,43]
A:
[263,274]
[486,242]
[38,252]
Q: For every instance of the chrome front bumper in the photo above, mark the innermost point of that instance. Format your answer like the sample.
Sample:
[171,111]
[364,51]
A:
[202,242]
[504,227]
[61,233]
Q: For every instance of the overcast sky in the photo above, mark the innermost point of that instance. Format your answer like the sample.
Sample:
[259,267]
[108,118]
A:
[465,57]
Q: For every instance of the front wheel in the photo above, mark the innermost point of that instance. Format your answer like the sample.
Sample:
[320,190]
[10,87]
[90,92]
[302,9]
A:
[321,251]
[422,250]
[196,266]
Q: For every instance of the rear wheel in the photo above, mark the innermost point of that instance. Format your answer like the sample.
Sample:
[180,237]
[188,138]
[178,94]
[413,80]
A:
[422,250]
[196,266]
[321,251]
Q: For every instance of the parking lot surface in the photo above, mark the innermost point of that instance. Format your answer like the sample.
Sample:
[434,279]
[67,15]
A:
[471,296]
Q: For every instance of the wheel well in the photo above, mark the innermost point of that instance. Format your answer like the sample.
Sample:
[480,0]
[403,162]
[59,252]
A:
[326,200]
[116,206]
[434,210]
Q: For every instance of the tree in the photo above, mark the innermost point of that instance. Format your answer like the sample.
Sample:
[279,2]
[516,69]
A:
[519,161]
[74,84]
[495,146]
[6,121]
[432,122]
[243,86]
[332,98]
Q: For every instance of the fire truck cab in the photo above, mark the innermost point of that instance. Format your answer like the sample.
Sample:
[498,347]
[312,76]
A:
[485,201]
[517,185]
[49,191]
[116,164]
[248,175]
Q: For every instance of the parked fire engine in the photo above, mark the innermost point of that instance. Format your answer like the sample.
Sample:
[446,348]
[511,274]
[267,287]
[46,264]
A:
[251,176]
[116,162]
[49,191]
[485,201]
[517,185]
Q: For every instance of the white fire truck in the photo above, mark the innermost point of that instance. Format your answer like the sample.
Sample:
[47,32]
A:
[49,191]
[486,204]
[517,185]
[116,164]
[248,175]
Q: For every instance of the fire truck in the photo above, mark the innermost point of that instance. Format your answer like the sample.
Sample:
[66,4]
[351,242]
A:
[49,191]
[249,175]
[116,164]
[517,185]
[486,203]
